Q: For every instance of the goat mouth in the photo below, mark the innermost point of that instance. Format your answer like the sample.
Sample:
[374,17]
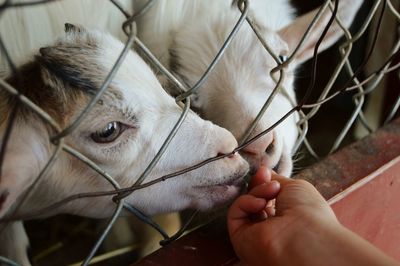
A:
[237,181]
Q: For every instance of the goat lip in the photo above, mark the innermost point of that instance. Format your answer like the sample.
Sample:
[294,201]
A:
[236,182]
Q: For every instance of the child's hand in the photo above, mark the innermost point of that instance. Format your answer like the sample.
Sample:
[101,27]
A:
[303,230]
[256,205]
[258,235]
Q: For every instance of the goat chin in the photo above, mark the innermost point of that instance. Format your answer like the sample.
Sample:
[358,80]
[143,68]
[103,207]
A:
[14,243]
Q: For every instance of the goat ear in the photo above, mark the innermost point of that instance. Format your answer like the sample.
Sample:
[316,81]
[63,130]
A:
[25,155]
[69,28]
[44,51]
[293,33]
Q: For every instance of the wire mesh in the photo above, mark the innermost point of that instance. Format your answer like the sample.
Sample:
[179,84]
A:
[362,86]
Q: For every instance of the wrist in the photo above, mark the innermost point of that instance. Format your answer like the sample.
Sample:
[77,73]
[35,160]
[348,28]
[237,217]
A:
[312,243]
[332,244]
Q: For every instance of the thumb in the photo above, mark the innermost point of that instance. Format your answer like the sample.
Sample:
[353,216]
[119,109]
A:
[262,176]
[281,179]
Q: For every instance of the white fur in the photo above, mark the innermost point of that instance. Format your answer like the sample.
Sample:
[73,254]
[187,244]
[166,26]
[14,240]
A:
[240,84]
[14,243]
[125,158]
[195,30]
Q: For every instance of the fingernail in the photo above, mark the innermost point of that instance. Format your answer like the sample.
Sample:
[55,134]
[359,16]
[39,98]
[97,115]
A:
[262,167]
[261,201]
[275,183]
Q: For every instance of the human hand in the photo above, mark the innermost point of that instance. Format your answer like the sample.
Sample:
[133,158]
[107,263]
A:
[302,231]
[258,240]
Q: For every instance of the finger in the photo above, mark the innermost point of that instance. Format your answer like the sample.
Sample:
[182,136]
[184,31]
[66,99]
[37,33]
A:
[281,179]
[284,181]
[246,205]
[242,209]
[270,208]
[270,211]
[267,191]
[262,176]
[271,203]
[259,216]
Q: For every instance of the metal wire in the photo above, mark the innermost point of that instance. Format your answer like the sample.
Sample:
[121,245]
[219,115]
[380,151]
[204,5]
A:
[304,109]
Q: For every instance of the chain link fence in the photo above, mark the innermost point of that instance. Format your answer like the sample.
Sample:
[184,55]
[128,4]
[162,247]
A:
[358,86]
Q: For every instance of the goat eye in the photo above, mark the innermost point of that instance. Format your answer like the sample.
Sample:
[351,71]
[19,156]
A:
[108,134]
[283,58]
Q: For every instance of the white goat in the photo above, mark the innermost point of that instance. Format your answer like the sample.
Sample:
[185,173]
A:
[121,134]
[186,36]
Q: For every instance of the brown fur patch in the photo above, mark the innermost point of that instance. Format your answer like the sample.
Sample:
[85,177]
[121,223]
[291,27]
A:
[56,100]
[61,79]
[3,197]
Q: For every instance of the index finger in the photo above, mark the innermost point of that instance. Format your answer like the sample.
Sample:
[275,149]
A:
[281,179]
[241,209]
[262,176]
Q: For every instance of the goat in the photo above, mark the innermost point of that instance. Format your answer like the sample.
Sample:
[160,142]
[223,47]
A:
[186,36]
[121,134]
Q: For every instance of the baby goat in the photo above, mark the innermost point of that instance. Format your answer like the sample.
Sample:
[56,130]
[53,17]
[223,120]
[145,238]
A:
[186,36]
[121,134]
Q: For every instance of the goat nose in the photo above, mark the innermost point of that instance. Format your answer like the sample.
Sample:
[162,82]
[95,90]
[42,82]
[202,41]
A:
[260,146]
[226,144]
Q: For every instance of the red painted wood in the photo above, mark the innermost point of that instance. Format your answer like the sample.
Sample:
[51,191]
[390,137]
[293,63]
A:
[372,210]
[208,245]
[346,167]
